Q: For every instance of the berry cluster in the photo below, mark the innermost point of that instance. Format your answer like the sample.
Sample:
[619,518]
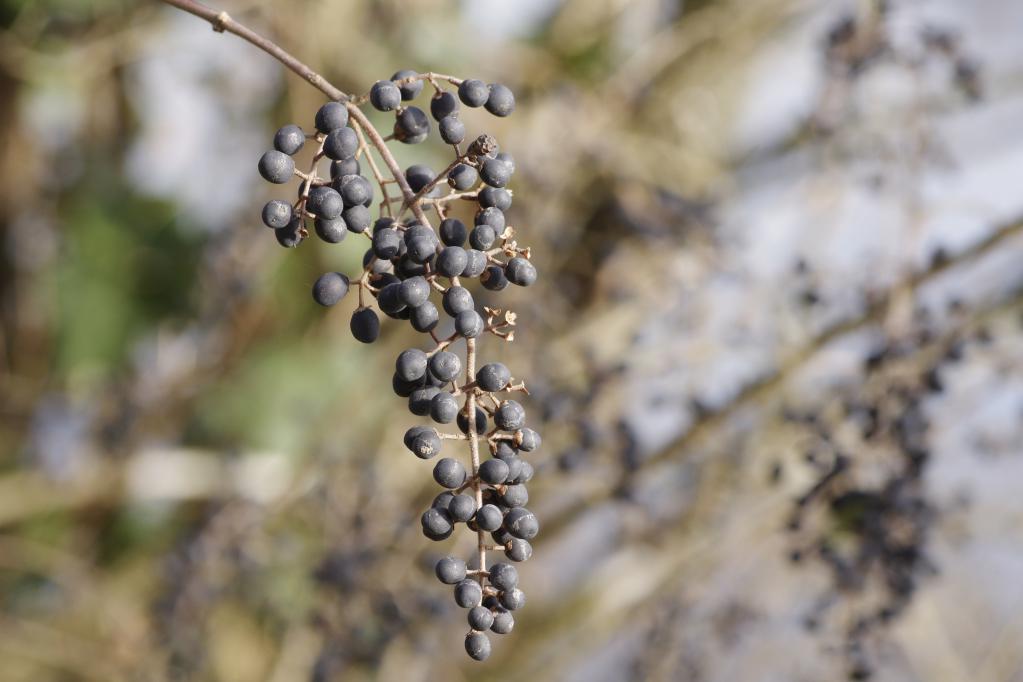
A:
[406,264]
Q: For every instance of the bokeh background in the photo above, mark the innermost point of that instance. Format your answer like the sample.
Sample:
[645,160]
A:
[775,351]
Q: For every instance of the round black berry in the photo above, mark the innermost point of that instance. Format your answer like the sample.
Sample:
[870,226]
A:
[357,218]
[488,517]
[521,523]
[515,495]
[411,364]
[343,167]
[504,576]
[445,366]
[341,143]
[496,172]
[477,646]
[449,569]
[444,408]
[437,523]
[476,265]
[527,440]
[276,167]
[331,231]
[443,104]
[518,550]
[493,278]
[494,472]
[482,237]
[473,92]
[420,399]
[424,317]
[468,593]
[453,232]
[385,96]
[492,216]
[469,324]
[419,176]
[493,376]
[481,421]
[420,248]
[331,116]
[277,214]
[495,197]
[324,202]
[424,443]
[462,177]
[462,507]
[513,599]
[510,416]
[411,126]
[504,622]
[457,300]
[452,261]
[290,235]
[520,272]
[409,91]
[449,473]
[452,130]
[501,101]
[354,189]
[386,243]
[330,288]
[414,291]
[480,618]
[289,139]
[365,325]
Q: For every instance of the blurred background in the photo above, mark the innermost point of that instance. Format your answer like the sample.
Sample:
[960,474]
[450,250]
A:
[775,350]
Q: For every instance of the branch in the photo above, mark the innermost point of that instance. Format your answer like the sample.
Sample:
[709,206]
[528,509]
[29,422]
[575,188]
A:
[221,22]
